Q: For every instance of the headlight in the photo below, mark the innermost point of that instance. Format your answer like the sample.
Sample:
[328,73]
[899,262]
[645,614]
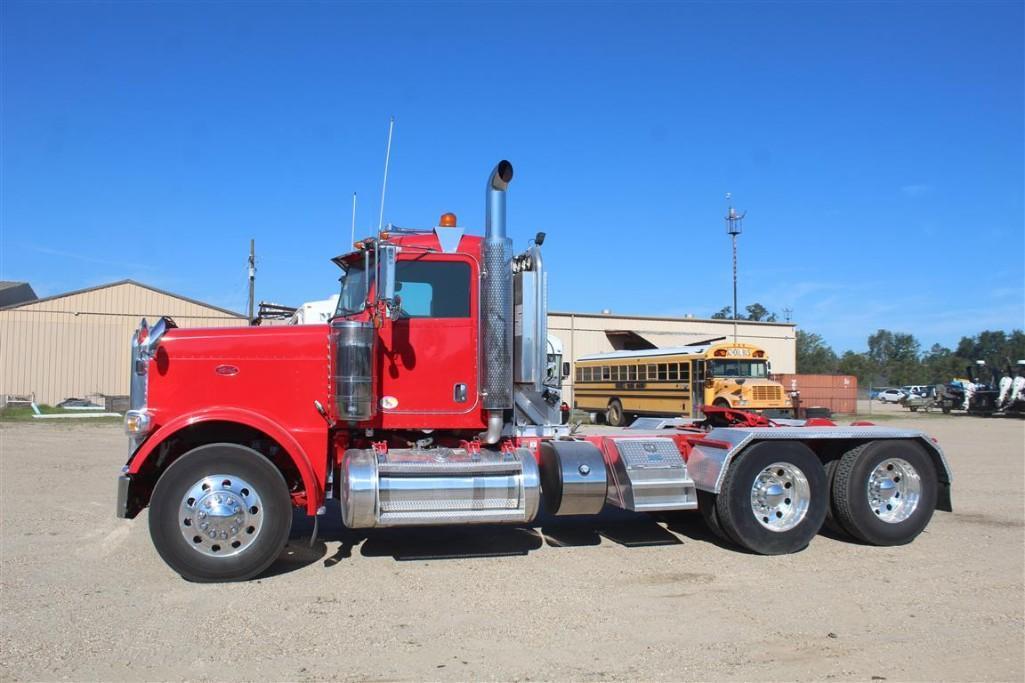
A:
[137,422]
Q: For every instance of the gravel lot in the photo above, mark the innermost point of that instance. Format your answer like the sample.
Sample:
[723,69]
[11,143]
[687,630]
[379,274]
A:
[85,596]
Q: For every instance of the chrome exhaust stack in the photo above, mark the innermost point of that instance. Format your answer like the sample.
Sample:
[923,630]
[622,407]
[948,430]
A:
[497,305]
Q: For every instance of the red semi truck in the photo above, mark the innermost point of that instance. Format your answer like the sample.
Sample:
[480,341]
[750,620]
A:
[428,400]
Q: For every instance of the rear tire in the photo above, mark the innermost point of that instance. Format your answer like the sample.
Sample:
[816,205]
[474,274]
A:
[221,512]
[614,415]
[885,492]
[774,497]
[706,504]
[831,522]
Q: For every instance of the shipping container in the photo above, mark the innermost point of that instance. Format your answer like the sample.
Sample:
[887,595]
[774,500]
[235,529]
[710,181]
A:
[839,393]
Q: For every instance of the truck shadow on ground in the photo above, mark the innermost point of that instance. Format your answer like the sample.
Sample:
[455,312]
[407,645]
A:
[629,529]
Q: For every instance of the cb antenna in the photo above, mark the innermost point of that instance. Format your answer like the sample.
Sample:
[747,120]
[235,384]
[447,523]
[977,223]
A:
[353,240]
[734,226]
[384,184]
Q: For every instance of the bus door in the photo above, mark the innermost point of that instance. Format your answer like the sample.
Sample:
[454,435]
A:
[697,387]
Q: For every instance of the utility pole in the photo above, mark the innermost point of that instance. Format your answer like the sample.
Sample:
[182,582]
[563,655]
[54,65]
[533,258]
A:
[734,226]
[252,277]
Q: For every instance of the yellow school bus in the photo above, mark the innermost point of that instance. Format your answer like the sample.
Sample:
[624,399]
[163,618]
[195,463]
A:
[675,381]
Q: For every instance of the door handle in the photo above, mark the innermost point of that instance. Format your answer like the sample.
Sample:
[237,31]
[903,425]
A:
[459,393]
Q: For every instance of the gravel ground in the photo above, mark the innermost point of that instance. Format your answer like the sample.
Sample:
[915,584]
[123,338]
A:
[85,596]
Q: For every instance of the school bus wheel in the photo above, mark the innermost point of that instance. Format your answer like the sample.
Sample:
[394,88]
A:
[614,414]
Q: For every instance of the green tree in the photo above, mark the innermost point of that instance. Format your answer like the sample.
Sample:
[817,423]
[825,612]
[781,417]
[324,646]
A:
[997,348]
[861,366]
[757,312]
[814,355]
[940,365]
[894,357]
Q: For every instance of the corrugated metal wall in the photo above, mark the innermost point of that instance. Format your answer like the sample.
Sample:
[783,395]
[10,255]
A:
[583,334]
[839,393]
[80,344]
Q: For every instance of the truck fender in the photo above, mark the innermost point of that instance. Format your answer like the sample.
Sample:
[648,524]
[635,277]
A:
[244,417]
[711,457]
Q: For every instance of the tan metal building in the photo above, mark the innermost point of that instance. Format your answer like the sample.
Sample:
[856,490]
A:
[587,333]
[78,344]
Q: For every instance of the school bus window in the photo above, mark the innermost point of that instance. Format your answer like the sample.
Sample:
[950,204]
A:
[684,372]
[580,374]
[673,372]
[652,373]
[641,374]
[632,370]
[606,374]
[662,372]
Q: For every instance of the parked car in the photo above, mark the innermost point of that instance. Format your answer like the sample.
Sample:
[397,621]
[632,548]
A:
[920,389]
[890,395]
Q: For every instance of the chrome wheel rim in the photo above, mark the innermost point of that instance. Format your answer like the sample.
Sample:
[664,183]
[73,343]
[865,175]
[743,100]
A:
[221,515]
[894,489]
[780,496]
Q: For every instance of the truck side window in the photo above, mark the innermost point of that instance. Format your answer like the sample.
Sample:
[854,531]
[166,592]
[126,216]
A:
[433,289]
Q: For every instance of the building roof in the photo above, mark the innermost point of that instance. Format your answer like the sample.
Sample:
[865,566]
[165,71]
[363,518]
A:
[670,318]
[127,282]
[649,353]
[13,293]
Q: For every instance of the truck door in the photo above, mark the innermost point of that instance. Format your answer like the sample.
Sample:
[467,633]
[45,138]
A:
[429,355]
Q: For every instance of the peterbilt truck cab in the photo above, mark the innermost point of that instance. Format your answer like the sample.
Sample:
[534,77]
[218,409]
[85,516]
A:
[428,398]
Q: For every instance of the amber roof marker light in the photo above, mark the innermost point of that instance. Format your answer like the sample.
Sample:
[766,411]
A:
[447,220]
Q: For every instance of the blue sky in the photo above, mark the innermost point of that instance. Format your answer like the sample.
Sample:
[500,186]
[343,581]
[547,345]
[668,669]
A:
[877,147]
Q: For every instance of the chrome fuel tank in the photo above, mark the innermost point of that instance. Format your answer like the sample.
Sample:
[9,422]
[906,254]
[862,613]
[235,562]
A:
[411,487]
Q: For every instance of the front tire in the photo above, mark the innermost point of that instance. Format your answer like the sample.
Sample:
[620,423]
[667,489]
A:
[885,492]
[773,498]
[221,512]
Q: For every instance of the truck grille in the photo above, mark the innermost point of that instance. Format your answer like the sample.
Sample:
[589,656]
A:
[767,393]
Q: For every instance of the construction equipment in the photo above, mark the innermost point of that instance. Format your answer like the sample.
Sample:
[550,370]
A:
[427,399]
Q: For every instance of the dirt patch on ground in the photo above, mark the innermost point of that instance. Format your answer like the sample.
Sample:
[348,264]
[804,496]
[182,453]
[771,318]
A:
[618,597]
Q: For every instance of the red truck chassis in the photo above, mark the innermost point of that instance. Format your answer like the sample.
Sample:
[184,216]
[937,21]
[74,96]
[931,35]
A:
[428,400]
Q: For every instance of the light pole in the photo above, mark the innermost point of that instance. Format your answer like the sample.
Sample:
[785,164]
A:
[734,226]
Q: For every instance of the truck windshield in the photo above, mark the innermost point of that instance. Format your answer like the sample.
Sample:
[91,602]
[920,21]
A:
[353,298]
[738,368]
